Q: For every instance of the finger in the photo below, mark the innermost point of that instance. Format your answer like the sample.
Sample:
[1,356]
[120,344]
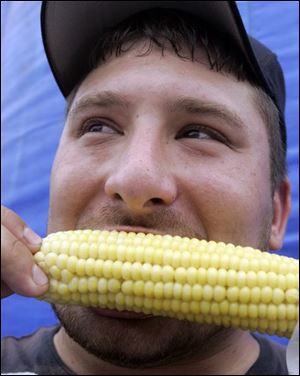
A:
[19,229]
[19,273]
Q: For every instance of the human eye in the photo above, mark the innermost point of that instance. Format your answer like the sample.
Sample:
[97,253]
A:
[201,132]
[97,126]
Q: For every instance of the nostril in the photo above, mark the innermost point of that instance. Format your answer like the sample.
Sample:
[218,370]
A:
[117,196]
[156,200]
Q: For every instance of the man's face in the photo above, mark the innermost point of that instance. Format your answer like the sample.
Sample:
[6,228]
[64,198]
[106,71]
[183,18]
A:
[168,145]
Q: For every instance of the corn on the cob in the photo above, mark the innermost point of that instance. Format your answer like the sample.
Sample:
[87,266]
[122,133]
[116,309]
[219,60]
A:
[205,282]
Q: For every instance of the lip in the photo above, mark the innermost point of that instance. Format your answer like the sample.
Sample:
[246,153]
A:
[114,314]
[134,229]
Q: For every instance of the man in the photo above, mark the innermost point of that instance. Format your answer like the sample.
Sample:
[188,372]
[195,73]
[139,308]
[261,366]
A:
[172,126]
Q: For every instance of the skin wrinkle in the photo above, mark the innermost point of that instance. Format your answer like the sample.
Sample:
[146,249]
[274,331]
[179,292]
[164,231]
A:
[204,191]
[189,105]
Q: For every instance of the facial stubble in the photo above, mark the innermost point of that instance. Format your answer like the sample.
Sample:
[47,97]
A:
[145,343]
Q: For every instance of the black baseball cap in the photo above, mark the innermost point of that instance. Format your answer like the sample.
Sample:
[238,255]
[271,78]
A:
[70,30]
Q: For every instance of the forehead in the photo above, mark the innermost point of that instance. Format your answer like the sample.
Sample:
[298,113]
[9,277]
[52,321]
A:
[157,80]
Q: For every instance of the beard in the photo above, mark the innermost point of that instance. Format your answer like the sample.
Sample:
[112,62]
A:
[149,342]
[135,343]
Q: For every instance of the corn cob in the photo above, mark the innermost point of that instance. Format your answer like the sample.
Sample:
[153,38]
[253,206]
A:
[191,279]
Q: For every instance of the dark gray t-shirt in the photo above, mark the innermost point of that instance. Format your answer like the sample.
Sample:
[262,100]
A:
[36,353]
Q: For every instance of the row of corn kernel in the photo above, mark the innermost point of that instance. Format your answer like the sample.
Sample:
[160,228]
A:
[136,239]
[180,310]
[175,242]
[111,239]
[61,264]
[185,259]
[283,312]
[173,260]
[165,241]
[185,292]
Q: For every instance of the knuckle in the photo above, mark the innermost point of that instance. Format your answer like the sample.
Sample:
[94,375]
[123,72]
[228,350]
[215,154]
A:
[5,212]
[12,221]
[17,249]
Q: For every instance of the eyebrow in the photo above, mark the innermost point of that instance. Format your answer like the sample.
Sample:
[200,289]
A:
[104,99]
[107,99]
[196,106]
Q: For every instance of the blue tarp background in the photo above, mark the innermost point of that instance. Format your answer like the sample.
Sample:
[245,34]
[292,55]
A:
[33,113]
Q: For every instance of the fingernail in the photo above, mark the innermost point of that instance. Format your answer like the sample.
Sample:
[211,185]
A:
[32,237]
[39,276]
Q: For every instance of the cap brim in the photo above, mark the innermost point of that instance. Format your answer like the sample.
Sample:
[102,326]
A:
[70,30]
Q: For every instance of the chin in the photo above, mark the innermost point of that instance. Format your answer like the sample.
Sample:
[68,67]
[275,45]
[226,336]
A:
[135,342]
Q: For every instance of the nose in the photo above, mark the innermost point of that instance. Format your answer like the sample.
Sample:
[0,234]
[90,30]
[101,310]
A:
[141,180]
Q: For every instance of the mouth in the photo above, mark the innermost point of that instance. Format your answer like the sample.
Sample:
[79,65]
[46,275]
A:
[126,315]
[114,314]
[134,229]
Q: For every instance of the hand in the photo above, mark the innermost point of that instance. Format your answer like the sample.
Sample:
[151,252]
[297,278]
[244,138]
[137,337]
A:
[19,273]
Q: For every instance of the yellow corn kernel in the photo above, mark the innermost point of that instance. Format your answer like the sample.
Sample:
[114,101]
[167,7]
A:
[50,258]
[66,276]
[80,267]
[187,279]
[168,290]
[127,287]
[92,284]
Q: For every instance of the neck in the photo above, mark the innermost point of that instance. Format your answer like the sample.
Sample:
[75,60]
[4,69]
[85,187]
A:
[232,354]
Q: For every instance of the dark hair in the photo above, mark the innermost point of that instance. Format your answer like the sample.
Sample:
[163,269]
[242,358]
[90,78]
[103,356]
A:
[185,34]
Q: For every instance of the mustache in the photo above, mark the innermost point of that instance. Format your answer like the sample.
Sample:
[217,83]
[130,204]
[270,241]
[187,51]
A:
[164,220]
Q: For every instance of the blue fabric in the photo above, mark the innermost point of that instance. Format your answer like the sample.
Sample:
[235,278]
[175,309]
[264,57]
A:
[33,116]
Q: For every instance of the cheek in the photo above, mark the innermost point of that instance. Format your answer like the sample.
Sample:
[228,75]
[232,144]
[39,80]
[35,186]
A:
[232,204]
[73,184]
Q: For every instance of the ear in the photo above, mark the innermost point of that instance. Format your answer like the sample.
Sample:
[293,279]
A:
[281,211]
